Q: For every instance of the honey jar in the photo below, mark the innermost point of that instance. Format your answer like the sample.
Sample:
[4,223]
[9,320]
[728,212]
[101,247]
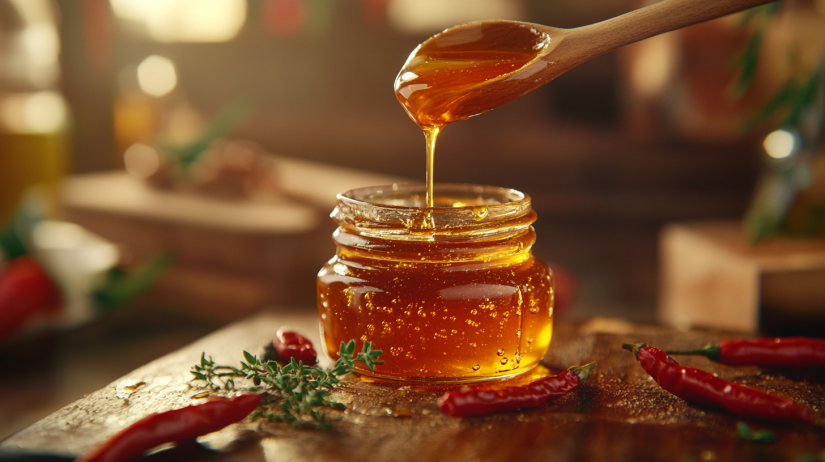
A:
[450,293]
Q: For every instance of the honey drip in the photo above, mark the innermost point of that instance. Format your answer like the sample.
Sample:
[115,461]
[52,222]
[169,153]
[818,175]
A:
[431,133]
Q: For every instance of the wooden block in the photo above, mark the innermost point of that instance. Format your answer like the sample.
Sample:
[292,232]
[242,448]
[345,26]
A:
[710,275]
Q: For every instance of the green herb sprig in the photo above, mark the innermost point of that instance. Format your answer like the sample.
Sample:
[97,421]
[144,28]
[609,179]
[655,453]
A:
[744,432]
[301,391]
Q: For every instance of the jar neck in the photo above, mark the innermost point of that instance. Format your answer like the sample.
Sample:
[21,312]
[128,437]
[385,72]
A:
[462,213]
[511,247]
[469,224]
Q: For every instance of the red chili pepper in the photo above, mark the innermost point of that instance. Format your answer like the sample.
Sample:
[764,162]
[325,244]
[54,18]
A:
[477,402]
[700,387]
[25,289]
[182,424]
[293,345]
[766,352]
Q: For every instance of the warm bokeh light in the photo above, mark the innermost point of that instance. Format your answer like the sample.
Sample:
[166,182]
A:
[779,144]
[185,20]
[33,47]
[156,75]
[430,16]
[655,63]
[41,112]
[141,161]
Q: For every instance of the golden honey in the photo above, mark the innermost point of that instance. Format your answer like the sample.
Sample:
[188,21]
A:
[445,72]
[441,73]
[450,293]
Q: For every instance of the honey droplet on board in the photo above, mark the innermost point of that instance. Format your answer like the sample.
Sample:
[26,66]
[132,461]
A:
[480,212]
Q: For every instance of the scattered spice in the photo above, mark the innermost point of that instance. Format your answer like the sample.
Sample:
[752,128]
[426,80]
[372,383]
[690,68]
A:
[476,402]
[766,352]
[700,387]
[184,424]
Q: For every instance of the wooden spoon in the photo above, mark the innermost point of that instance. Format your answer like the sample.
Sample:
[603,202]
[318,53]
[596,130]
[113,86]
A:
[475,67]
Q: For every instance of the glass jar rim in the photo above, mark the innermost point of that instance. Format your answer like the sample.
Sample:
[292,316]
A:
[402,207]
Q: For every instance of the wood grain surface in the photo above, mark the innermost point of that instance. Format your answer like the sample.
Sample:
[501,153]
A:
[618,414]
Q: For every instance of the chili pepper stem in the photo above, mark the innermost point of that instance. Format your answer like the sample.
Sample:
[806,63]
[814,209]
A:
[634,347]
[582,371]
[710,351]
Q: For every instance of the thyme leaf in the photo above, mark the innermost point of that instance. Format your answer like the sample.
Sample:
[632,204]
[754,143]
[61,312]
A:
[300,392]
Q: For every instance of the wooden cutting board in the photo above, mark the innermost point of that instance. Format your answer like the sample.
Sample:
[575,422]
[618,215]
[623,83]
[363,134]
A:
[618,414]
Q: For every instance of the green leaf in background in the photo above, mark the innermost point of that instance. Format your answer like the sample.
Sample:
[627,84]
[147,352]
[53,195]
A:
[774,195]
[120,287]
[744,432]
[228,119]
[31,210]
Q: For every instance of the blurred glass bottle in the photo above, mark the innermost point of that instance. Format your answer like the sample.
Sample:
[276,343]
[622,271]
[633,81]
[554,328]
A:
[33,112]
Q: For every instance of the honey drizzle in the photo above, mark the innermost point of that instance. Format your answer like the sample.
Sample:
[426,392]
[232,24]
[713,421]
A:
[431,133]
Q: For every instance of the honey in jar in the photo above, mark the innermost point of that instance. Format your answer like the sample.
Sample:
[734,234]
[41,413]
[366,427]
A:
[450,293]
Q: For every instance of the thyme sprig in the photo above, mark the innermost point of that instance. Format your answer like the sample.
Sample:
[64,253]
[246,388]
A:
[301,392]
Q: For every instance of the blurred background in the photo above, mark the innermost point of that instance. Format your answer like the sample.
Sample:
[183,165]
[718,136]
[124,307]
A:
[202,142]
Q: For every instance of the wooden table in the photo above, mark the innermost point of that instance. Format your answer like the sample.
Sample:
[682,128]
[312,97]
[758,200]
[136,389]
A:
[618,414]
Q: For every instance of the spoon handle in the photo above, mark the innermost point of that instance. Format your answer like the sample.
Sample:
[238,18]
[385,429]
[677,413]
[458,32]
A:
[655,19]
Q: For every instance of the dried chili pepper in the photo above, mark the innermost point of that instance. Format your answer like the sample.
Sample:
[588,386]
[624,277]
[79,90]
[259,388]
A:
[700,387]
[290,345]
[184,424]
[25,290]
[477,402]
[766,352]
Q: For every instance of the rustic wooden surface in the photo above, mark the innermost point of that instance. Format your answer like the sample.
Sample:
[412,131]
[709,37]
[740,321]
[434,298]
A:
[618,414]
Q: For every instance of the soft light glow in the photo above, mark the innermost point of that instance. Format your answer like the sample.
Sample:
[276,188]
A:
[185,20]
[779,144]
[430,16]
[32,51]
[141,161]
[41,112]
[156,75]
[42,46]
[654,65]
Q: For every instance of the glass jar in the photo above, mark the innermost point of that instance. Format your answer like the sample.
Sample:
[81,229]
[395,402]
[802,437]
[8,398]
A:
[450,293]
